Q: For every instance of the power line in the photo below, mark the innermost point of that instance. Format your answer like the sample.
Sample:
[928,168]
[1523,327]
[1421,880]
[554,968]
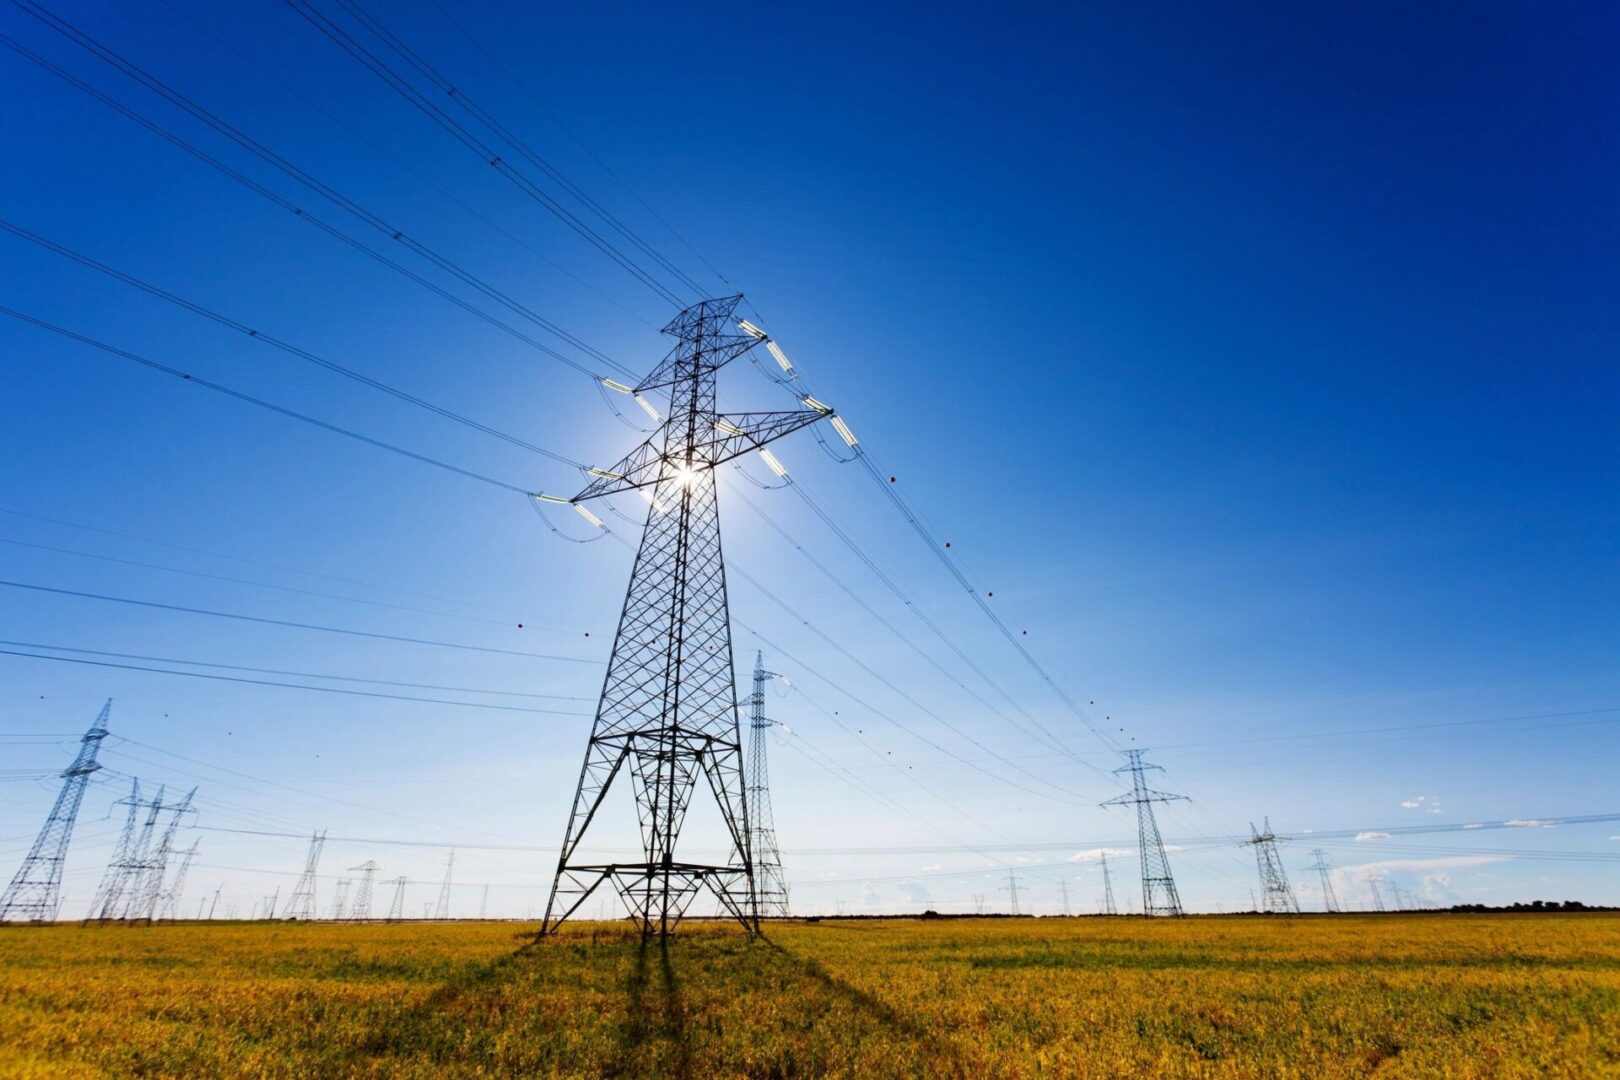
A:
[291,686]
[341,38]
[293,414]
[291,207]
[266,565]
[292,674]
[268,585]
[277,343]
[296,625]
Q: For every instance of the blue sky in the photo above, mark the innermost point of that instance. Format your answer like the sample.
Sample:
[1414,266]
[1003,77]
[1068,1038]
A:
[1259,362]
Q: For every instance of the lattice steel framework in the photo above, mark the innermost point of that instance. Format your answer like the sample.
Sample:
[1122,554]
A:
[1330,899]
[441,910]
[1159,896]
[301,904]
[1108,889]
[123,887]
[396,907]
[35,891]
[360,908]
[170,908]
[1276,897]
[155,862]
[668,713]
[770,885]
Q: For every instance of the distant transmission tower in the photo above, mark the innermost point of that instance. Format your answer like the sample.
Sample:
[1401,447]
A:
[1275,895]
[1330,899]
[127,869]
[1063,887]
[35,892]
[269,901]
[360,909]
[155,862]
[1159,896]
[770,886]
[442,910]
[301,904]
[340,896]
[668,707]
[1378,901]
[1011,888]
[171,894]
[396,909]
[1108,889]
[483,904]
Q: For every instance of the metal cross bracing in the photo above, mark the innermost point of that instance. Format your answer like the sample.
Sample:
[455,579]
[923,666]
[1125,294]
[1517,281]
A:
[132,886]
[301,904]
[35,892]
[1108,889]
[668,711]
[1159,896]
[360,907]
[770,885]
[1276,896]
[1330,899]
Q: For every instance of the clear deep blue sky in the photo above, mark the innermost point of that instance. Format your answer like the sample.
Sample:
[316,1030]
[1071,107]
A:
[1261,362]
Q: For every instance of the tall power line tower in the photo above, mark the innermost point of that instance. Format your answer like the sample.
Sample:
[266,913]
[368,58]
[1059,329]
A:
[123,885]
[171,894]
[360,908]
[301,904]
[1159,896]
[35,892]
[1330,899]
[441,910]
[155,868]
[1378,900]
[770,886]
[1276,897]
[669,701]
[1109,907]
[1011,888]
[340,898]
[396,907]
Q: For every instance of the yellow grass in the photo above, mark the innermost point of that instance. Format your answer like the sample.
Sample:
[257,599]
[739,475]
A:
[1407,996]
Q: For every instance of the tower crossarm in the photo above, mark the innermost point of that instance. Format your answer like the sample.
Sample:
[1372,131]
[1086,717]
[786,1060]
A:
[734,435]
[1130,798]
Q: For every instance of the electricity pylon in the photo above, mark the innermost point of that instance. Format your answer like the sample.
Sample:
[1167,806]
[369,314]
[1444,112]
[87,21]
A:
[269,901]
[669,701]
[770,886]
[1159,896]
[155,868]
[396,909]
[1276,896]
[1330,899]
[360,909]
[340,896]
[171,894]
[1011,888]
[301,904]
[1108,889]
[35,892]
[442,910]
[1063,887]
[121,886]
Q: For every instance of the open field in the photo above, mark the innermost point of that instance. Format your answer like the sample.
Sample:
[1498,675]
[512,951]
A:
[1418,996]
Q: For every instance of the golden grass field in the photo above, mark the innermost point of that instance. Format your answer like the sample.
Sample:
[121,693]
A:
[1407,996]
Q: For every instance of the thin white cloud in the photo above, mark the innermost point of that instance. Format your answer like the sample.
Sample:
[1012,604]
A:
[1096,854]
[1412,804]
[1360,836]
[932,866]
[1528,823]
[1474,825]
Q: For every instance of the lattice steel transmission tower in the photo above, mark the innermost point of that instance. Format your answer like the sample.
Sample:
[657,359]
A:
[1109,907]
[155,862]
[360,909]
[340,897]
[770,885]
[301,904]
[1011,888]
[1276,897]
[1159,896]
[669,701]
[1330,899]
[442,909]
[396,909]
[35,892]
[123,884]
[171,894]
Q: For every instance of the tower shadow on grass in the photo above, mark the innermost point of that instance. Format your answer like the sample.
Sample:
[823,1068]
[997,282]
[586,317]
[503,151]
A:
[654,1017]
